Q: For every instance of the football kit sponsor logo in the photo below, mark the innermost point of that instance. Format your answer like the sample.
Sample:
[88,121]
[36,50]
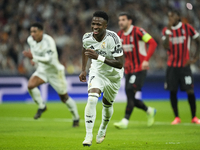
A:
[177,40]
[100,52]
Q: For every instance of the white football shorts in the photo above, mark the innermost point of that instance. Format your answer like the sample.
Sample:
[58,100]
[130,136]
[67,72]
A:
[56,79]
[108,87]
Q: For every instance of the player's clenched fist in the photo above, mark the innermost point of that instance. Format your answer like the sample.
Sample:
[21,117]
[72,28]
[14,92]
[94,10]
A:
[82,76]
[145,65]
[27,54]
[91,54]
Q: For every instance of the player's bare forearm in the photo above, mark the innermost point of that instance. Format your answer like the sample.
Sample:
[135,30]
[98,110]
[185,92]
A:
[196,55]
[166,42]
[167,33]
[28,54]
[116,63]
[82,76]
[84,60]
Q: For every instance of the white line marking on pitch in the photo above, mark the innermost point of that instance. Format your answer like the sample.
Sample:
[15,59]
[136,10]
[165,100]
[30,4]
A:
[82,120]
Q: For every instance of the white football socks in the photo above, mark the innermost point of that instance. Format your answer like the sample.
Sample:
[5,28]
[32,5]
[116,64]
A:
[35,94]
[149,110]
[90,112]
[107,113]
[72,108]
[125,121]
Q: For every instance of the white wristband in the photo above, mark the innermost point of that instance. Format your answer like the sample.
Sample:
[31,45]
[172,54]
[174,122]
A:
[168,32]
[101,58]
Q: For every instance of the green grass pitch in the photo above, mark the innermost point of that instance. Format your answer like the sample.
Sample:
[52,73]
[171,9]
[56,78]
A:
[53,131]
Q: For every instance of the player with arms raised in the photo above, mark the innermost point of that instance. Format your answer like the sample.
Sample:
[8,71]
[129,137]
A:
[176,40]
[105,50]
[134,41]
[43,52]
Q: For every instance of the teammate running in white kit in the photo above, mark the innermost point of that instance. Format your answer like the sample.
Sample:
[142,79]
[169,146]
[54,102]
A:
[44,54]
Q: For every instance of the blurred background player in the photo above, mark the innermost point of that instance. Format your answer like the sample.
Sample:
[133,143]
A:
[134,41]
[105,50]
[43,52]
[176,40]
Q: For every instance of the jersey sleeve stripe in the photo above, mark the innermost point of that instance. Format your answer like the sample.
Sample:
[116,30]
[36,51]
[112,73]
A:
[185,47]
[193,33]
[85,37]
[182,47]
[177,49]
[114,37]
[136,46]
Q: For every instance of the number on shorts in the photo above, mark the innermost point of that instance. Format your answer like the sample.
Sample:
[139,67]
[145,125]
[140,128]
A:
[132,79]
[188,80]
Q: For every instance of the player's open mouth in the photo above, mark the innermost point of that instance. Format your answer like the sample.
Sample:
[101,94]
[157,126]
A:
[95,31]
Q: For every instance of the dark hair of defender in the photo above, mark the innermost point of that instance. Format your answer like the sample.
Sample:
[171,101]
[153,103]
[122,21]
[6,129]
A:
[101,14]
[175,11]
[38,25]
[129,17]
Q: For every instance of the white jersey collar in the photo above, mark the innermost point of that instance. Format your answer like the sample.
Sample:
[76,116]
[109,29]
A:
[177,26]
[129,30]
[41,40]
[102,39]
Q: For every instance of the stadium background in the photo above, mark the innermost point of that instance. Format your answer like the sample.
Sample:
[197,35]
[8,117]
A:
[66,21]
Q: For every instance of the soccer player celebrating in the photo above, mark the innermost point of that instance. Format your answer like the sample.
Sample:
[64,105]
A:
[43,52]
[176,40]
[134,41]
[105,50]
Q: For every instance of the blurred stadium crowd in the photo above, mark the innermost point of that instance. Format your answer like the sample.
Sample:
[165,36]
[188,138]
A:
[67,20]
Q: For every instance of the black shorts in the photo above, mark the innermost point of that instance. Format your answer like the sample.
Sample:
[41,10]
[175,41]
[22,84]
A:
[179,76]
[135,80]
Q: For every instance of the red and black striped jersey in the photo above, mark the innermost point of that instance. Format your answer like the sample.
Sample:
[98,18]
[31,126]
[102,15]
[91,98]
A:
[134,48]
[179,44]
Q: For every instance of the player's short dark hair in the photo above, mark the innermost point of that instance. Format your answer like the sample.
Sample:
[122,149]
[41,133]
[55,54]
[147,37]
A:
[128,15]
[38,25]
[101,14]
[175,11]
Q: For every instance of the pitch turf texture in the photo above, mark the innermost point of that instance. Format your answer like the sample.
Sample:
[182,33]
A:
[19,131]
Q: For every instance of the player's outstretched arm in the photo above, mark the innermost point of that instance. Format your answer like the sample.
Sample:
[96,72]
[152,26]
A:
[82,76]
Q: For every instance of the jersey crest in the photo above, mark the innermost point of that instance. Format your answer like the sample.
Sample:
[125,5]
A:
[103,45]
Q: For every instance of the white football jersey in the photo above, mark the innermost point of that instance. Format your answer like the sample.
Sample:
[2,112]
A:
[110,47]
[45,54]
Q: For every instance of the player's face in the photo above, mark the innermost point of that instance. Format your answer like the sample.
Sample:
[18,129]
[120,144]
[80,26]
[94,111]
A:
[98,26]
[36,34]
[124,22]
[173,18]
